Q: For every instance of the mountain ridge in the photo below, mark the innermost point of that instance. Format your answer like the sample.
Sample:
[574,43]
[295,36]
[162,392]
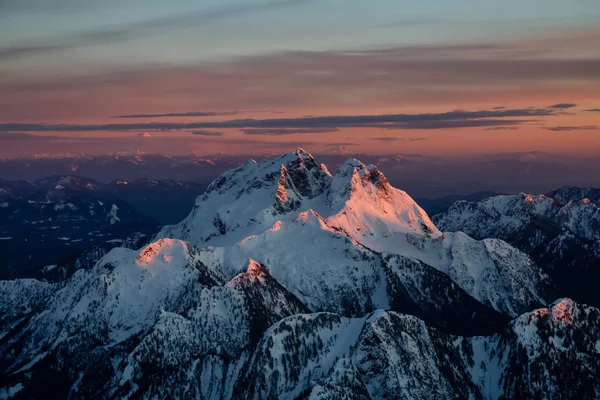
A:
[559,230]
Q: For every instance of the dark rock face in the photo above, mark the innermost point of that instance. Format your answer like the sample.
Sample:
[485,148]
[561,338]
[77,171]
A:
[420,290]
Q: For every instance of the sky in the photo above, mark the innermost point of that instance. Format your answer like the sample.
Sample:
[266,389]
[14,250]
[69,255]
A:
[436,77]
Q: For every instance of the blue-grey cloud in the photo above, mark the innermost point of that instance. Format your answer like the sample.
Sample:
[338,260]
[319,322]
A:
[145,28]
[389,139]
[563,106]
[398,139]
[410,22]
[27,136]
[207,133]
[502,128]
[573,128]
[458,123]
[63,6]
[593,110]
[452,119]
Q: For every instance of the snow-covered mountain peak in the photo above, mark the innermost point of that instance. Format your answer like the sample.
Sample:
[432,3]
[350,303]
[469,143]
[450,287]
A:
[295,171]
[354,175]
[255,268]
[164,251]
[312,218]
[563,311]
[560,320]
[364,204]
[349,166]
[249,199]
[161,261]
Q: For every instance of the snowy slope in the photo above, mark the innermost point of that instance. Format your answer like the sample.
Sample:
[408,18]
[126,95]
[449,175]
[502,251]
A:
[560,231]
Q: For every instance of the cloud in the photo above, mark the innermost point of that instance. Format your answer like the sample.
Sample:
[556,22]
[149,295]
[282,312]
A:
[304,82]
[286,131]
[410,22]
[453,124]
[573,128]
[593,110]
[390,139]
[207,133]
[145,28]
[64,6]
[322,124]
[180,114]
[502,128]
[27,136]
[398,139]
[563,106]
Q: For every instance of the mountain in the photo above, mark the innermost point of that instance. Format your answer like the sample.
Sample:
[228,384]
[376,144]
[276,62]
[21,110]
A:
[560,230]
[109,167]
[437,205]
[64,268]
[166,201]
[286,281]
[390,355]
[161,323]
[250,211]
[568,194]
[60,216]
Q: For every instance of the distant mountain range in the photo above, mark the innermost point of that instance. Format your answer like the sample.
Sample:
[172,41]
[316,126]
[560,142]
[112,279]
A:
[288,281]
[108,168]
[55,218]
[421,176]
[436,206]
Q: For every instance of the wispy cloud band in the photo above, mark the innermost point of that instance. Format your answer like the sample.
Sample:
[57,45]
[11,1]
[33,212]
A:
[322,124]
